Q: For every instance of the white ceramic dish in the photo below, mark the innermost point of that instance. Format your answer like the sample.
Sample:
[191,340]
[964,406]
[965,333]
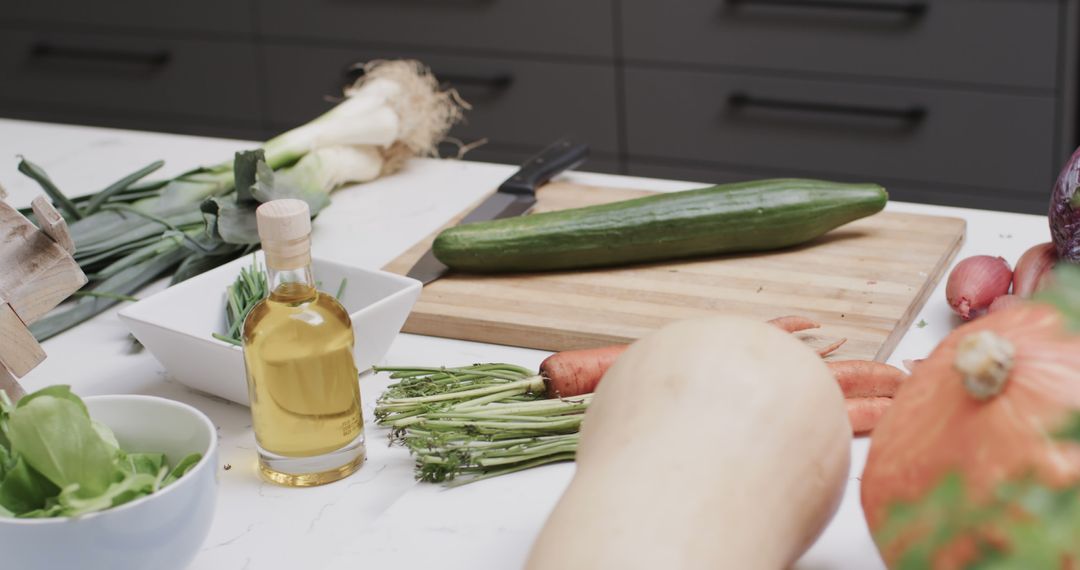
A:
[163,531]
[175,324]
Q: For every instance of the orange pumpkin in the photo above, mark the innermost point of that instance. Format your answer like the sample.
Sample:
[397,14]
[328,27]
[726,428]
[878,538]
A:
[986,404]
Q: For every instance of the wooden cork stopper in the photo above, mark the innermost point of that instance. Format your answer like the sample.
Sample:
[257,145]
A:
[285,231]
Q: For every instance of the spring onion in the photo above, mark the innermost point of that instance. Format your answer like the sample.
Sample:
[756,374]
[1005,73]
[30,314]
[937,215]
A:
[132,232]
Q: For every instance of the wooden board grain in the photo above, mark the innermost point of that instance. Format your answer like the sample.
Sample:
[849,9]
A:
[864,282]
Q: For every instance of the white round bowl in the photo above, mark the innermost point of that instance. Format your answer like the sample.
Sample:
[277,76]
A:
[162,531]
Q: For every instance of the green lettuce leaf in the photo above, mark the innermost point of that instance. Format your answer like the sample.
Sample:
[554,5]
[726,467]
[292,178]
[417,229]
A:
[131,487]
[24,489]
[147,463]
[56,461]
[61,391]
[106,434]
[186,464]
[54,435]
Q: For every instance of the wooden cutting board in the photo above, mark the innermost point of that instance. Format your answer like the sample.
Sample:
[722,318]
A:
[864,282]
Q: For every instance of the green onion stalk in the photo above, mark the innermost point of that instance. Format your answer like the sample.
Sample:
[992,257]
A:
[133,231]
[476,422]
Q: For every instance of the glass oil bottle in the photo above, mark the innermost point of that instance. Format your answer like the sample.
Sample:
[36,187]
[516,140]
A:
[298,351]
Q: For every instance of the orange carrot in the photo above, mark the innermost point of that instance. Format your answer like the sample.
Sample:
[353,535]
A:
[823,352]
[866,378]
[794,323]
[865,413]
[576,372]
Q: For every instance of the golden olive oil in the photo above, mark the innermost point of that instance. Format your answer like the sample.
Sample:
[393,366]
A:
[305,396]
[302,379]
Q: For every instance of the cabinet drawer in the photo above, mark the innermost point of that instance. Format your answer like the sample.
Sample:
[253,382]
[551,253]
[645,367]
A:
[233,17]
[899,190]
[821,127]
[1003,42]
[203,78]
[567,27]
[522,103]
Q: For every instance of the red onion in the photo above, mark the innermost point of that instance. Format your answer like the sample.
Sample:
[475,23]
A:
[975,282]
[1065,211]
[1033,266]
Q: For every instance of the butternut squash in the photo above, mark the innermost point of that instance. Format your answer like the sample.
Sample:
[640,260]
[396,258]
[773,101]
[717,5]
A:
[713,443]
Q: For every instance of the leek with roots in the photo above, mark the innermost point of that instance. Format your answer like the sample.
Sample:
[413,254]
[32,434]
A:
[476,422]
[133,232]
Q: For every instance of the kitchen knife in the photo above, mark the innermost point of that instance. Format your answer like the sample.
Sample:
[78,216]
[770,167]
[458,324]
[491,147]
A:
[515,196]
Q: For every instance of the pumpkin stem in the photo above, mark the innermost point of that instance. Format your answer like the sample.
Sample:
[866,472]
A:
[985,359]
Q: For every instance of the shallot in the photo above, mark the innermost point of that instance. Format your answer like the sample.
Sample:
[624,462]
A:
[1004,302]
[975,282]
[1032,269]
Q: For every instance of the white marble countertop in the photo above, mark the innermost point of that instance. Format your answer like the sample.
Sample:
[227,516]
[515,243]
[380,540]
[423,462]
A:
[380,515]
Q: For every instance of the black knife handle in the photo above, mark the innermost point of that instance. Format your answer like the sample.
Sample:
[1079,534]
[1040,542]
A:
[563,155]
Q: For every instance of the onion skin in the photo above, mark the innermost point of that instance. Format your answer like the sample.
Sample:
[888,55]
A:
[975,282]
[1004,302]
[1065,211]
[1032,269]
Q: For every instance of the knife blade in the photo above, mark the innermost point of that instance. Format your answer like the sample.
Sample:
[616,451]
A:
[515,196]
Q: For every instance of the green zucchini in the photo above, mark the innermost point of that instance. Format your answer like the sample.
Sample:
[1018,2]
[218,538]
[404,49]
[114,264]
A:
[730,218]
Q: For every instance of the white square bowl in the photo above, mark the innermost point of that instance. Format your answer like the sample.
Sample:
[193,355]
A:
[175,325]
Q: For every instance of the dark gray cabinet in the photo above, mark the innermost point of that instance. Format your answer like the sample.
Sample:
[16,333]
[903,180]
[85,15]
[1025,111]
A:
[231,17]
[825,128]
[964,102]
[572,28]
[516,103]
[131,75]
[990,42]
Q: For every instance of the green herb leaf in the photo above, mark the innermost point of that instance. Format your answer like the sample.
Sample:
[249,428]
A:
[241,297]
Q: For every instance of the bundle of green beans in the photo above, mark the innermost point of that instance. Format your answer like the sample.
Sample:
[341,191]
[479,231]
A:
[476,422]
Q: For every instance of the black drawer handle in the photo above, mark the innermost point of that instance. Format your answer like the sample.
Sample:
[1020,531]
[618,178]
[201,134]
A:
[907,9]
[43,50]
[912,115]
[492,81]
